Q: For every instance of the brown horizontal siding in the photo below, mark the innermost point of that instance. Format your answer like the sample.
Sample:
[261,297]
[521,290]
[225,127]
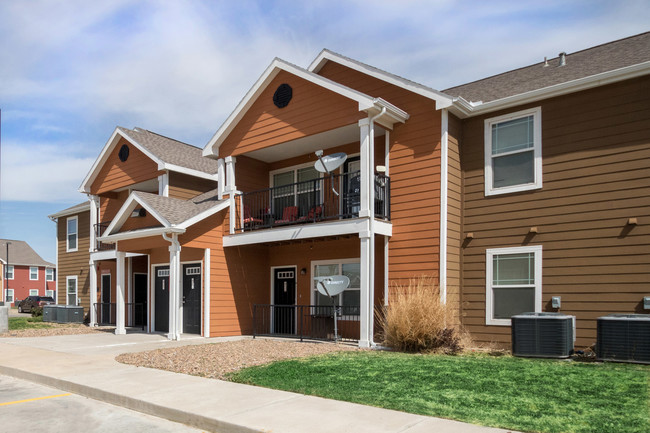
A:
[116,174]
[596,161]
[74,263]
[311,110]
[185,187]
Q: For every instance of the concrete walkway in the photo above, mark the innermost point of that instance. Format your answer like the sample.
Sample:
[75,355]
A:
[85,365]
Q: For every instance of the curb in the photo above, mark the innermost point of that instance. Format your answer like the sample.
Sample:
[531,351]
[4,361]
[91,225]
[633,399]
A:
[183,417]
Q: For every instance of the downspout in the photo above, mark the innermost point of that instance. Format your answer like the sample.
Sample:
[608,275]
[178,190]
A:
[444,191]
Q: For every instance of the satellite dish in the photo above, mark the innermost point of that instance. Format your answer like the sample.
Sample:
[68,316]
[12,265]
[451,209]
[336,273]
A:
[332,285]
[329,163]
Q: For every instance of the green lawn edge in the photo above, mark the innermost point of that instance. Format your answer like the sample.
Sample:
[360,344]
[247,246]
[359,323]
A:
[531,395]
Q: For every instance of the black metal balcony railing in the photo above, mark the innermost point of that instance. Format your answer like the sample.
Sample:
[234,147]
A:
[309,201]
[101,246]
[306,321]
[135,314]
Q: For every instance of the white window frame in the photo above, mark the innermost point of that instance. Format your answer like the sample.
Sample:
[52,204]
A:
[10,272]
[49,274]
[9,297]
[537,152]
[67,287]
[489,296]
[49,293]
[68,233]
[31,270]
[339,262]
[33,292]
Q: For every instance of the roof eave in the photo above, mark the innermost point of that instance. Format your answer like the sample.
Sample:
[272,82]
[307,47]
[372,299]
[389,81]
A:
[142,233]
[56,215]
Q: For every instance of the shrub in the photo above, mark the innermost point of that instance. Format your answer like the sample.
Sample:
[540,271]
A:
[416,321]
[37,311]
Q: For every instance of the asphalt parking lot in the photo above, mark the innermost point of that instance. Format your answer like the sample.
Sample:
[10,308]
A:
[25,406]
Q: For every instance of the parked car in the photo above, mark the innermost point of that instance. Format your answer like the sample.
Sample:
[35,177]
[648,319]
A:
[26,305]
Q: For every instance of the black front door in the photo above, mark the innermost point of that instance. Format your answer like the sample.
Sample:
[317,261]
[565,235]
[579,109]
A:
[192,299]
[162,298]
[284,300]
[105,312]
[140,299]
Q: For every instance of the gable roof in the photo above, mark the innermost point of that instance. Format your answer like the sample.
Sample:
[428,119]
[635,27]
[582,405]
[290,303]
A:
[442,100]
[169,154]
[366,103]
[72,210]
[599,65]
[21,254]
[172,213]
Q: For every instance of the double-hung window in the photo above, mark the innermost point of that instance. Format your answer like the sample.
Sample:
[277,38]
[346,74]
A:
[33,292]
[350,298]
[49,274]
[513,152]
[296,187]
[513,283]
[33,273]
[71,290]
[72,227]
[10,296]
[10,272]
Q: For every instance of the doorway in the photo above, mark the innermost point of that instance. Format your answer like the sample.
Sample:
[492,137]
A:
[140,299]
[352,187]
[192,298]
[161,293]
[284,300]
[105,311]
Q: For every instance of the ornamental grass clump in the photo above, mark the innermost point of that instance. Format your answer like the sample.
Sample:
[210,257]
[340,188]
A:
[415,319]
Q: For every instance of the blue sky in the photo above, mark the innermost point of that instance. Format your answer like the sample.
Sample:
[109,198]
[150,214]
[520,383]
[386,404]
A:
[70,71]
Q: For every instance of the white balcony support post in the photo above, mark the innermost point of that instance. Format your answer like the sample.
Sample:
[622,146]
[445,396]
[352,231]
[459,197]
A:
[221,177]
[206,292]
[163,185]
[174,288]
[93,293]
[364,139]
[230,173]
[365,337]
[119,290]
[94,220]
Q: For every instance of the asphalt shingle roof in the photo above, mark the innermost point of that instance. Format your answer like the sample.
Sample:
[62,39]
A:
[20,253]
[176,210]
[81,207]
[172,151]
[602,58]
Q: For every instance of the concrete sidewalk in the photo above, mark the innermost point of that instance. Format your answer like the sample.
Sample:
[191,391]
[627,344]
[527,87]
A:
[85,365]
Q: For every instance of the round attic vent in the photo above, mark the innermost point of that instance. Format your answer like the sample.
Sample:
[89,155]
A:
[282,95]
[124,153]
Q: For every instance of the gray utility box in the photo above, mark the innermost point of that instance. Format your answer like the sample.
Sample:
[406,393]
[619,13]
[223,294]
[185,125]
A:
[624,338]
[50,313]
[71,314]
[543,335]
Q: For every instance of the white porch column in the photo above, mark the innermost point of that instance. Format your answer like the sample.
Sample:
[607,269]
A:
[93,293]
[221,177]
[94,219]
[365,335]
[206,293]
[174,289]
[366,170]
[230,173]
[119,290]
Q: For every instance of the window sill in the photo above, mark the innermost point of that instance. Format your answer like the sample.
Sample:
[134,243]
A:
[512,189]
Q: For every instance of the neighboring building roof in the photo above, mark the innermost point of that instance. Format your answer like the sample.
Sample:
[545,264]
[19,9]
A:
[172,151]
[21,254]
[78,208]
[611,56]
[169,154]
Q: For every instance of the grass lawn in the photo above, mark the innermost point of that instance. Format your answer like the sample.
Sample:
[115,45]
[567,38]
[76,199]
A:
[530,395]
[16,323]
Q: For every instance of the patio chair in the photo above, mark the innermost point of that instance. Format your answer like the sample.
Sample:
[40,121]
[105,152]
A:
[289,215]
[249,221]
[314,214]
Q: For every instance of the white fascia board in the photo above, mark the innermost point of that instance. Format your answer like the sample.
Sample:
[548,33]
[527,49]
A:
[442,100]
[103,156]
[292,233]
[464,109]
[84,208]
[136,234]
[125,212]
[188,171]
[203,215]
[383,228]
[365,102]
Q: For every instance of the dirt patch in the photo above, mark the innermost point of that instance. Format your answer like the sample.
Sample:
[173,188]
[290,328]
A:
[56,329]
[218,359]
